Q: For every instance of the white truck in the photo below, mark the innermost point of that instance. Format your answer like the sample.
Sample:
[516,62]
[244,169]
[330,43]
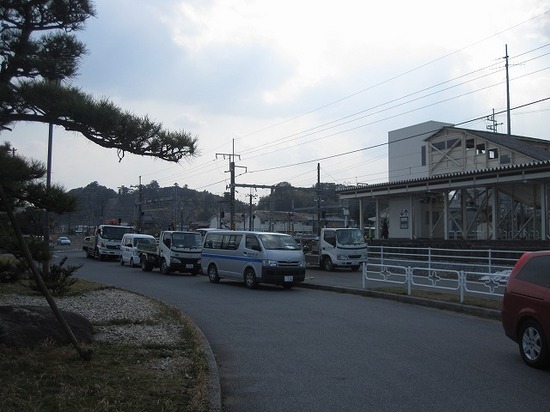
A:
[177,251]
[337,247]
[105,243]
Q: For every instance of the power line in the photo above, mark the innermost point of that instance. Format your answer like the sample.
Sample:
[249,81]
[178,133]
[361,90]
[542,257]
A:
[386,143]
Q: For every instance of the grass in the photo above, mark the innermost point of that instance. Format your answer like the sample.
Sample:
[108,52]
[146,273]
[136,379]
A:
[119,377]
[482,302]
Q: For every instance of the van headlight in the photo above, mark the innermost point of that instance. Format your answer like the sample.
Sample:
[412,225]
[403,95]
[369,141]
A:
[270,263]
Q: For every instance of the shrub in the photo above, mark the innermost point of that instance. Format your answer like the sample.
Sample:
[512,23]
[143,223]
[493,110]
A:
[11,270]
[59,279]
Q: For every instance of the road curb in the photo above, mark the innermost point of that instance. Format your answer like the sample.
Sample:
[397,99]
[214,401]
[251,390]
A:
[454,307]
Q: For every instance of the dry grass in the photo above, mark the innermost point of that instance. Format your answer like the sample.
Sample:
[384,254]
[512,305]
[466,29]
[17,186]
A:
[119,377]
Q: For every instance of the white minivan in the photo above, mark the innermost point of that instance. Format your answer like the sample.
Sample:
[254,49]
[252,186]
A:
[253,257]
[128,247]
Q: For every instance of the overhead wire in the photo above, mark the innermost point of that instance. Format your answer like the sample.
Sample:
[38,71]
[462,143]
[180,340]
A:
[200,169]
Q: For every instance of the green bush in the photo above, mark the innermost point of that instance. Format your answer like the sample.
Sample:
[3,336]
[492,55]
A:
[59,279]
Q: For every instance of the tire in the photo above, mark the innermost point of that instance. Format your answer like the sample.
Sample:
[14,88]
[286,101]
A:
[327,264]
[250,279]
[145,266]
[533,345]
[121,261]
[213,274]
[164,268]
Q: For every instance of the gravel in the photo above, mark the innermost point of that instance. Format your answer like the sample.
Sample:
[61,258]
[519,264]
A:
[117,315]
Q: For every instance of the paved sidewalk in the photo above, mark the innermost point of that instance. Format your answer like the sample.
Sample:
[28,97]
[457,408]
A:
[346,281]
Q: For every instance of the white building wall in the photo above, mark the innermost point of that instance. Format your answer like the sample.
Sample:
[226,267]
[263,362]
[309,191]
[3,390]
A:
[405,151]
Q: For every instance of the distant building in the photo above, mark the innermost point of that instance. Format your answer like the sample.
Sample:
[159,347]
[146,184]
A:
[278,221]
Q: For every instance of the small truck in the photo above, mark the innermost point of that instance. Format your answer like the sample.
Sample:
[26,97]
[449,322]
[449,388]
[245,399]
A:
[177,251]
[105,242]
[336,247]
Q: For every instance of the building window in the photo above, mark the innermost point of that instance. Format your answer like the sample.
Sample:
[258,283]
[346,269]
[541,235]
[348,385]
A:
[480,148]
[423,155]
[470,144]
[452,143]
[438,146]
[493,153]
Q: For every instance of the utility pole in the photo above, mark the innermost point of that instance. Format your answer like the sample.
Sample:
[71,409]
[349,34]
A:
[493,125]
[318,199]
[508,120]
[232,167]
[271,205]
[139,203]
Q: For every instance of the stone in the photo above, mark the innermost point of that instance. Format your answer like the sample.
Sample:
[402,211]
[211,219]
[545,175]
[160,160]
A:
[30,326]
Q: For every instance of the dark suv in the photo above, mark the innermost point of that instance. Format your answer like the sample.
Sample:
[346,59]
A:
[526,307]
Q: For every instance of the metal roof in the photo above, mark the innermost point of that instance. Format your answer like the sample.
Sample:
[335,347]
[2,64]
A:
[452,181]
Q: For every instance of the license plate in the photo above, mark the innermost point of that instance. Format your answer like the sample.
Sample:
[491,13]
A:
[289,278]
[189,266]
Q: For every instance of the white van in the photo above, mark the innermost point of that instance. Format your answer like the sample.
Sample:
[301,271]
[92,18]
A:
[128,247]
[253,257]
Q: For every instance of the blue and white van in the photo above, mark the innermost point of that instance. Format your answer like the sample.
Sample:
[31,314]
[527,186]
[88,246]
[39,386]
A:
[253,257]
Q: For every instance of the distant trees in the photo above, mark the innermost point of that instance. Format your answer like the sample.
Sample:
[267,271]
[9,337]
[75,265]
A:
[22,188]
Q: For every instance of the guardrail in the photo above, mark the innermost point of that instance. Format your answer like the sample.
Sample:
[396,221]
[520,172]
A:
[464,272]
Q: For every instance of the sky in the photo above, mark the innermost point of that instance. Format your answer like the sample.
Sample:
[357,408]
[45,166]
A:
[289,85]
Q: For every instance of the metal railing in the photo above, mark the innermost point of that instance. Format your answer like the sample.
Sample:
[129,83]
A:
[481,272]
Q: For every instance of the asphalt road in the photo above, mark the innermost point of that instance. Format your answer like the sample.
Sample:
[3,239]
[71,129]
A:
[311,350]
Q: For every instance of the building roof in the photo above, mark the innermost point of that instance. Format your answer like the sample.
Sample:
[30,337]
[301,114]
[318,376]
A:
[449,181]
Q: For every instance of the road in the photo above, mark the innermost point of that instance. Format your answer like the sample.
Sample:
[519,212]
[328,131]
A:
[311,350]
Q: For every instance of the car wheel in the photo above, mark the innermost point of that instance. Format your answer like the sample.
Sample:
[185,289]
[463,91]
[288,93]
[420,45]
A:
[532,345]
[213,274]
[250,279]
[146,266]
[327,264]
[164,268]
[121,261]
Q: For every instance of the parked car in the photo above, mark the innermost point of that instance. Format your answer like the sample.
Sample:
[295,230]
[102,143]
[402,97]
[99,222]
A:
[63,240]
[526,307]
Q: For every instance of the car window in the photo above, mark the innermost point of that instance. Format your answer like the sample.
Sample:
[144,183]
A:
[536,271]
[252,243]
[330,238]
[231,242]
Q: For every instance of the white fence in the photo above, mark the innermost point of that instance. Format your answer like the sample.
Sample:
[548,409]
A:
[464,272]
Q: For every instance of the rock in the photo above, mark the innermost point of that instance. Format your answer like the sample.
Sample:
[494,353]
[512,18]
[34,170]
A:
[30,326]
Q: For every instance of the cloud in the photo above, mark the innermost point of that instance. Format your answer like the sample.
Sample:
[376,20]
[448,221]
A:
[297,82]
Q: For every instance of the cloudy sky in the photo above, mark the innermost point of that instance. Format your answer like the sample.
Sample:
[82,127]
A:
[289,84]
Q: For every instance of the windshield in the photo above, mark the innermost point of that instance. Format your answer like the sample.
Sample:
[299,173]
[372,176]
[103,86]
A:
[186,240]
[278,242]
[144,241]
[115,232]
[349,237]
